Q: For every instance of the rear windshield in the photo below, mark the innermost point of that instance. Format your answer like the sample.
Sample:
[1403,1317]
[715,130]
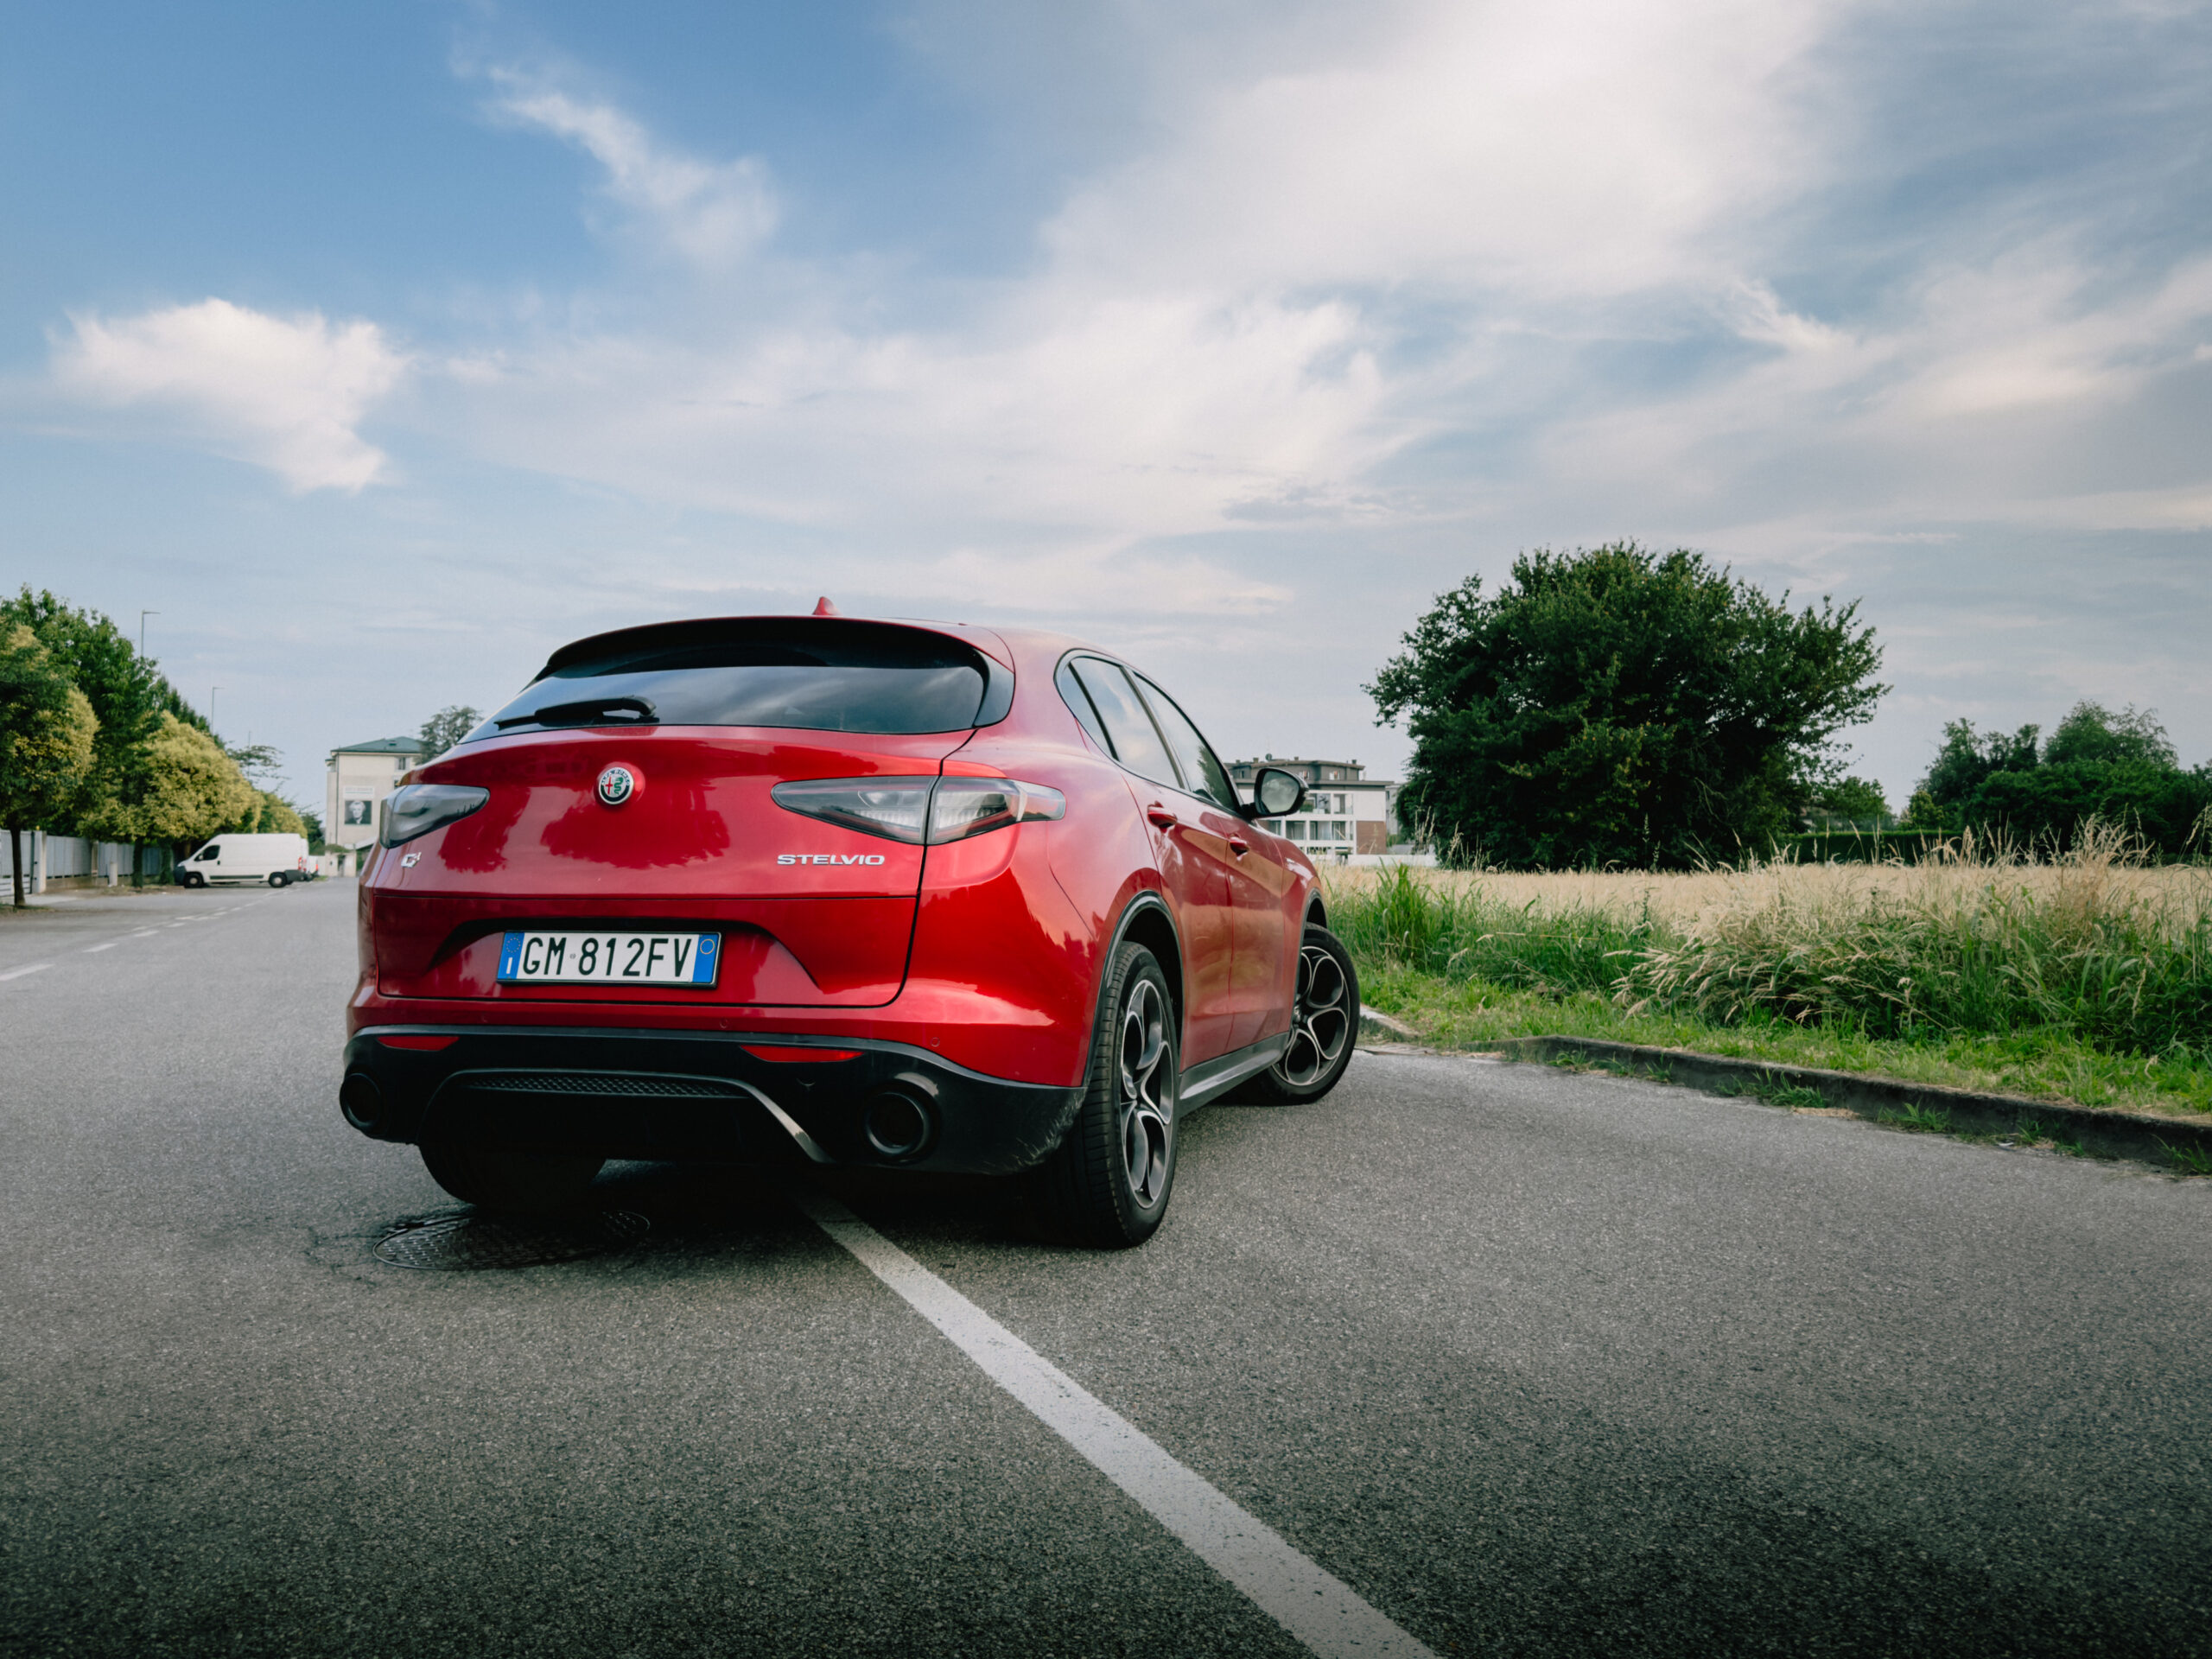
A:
[814,675]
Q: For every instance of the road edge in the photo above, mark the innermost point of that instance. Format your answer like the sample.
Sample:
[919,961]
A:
[2098,1133]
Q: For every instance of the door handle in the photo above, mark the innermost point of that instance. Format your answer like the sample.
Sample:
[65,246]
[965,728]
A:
[1163,815]
[1239,846]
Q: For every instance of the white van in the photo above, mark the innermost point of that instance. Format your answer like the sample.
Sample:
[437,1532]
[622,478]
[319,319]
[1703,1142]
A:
[277,860]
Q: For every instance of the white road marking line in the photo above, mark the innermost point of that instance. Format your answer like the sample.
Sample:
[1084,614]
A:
[110,945]
[143,933]
[35,968]
[1322,1611]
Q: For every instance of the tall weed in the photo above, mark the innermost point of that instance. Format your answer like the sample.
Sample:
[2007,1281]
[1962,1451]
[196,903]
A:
[1987,940]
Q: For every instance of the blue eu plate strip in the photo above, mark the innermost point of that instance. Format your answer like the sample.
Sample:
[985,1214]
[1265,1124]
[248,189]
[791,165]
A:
[510,956]
[703,969]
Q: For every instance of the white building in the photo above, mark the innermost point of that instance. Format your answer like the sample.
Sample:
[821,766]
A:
[1344,812]
[360,776]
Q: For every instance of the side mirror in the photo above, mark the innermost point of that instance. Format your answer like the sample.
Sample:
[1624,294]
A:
[1276,794]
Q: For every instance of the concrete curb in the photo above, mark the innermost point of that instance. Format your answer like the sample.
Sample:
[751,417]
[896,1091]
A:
[1383,1022]
[2099,1134]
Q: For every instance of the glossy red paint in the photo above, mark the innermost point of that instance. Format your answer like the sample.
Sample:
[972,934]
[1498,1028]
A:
[986,952]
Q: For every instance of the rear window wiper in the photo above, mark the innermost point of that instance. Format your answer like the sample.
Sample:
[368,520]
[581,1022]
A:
[588,711]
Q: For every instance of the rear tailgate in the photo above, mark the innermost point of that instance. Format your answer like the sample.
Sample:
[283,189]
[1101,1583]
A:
[811,913]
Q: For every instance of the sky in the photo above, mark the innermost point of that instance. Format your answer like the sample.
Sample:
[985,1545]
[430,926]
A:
[378,350]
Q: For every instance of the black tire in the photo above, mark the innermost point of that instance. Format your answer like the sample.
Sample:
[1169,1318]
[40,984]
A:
[1107,1185]
[277,878]
[512,1180]
[1324,1026]
[193,879]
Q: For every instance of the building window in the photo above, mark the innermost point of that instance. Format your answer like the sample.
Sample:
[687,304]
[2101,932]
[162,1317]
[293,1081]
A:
[1337,829]
[1273,826]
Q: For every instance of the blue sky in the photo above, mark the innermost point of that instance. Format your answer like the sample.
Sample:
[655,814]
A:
[379,350]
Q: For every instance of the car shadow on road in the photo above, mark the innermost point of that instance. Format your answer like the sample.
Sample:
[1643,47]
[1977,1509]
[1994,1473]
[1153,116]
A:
[666,1212]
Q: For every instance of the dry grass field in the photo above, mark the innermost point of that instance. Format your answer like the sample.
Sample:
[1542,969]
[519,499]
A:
[2096,884]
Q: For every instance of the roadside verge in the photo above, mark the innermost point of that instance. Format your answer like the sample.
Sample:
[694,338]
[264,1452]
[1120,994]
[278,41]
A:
[2175,1145]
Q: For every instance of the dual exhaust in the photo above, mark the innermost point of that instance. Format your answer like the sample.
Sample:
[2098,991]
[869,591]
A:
[898,1121]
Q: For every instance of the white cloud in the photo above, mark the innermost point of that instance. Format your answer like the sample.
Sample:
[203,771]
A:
[1589,147]
[283,393]
[710,213]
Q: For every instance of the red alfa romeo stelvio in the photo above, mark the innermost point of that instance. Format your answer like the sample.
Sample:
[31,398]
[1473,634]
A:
[899,895]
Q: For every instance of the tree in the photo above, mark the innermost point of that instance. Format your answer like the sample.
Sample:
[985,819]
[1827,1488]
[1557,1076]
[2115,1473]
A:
[2119,768]
[1619,706]
[193,789]
[47,727]
[2091,734]
[257,761]
[127,694]
[1854,800]
[272,815]
[446,727]
[1967,757]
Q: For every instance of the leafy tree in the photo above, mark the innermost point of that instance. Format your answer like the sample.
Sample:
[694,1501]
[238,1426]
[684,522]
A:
[47,727]
[1967,758]
[446,727]
[2121,768]
[1620,706]
[1921,812]
[1853,798]
[274,815]
[311,827]
[124,688]
[257,761]
[2092,734]
[2162,805]
[193,789]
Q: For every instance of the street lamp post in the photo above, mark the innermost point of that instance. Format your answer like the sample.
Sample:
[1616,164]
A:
[143,615]
[212,690]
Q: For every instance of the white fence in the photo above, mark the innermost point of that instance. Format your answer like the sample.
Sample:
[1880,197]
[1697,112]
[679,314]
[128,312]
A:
[53,858]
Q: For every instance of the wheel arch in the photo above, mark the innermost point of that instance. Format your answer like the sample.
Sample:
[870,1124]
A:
[1146,921]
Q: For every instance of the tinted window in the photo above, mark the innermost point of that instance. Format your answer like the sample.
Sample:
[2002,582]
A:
[1078,703]
[1136,746]
[816,676]
[1206,778]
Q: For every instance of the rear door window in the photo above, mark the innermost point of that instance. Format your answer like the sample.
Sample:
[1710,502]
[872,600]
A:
[1136,744]
[809,675]
[1078,703]
[1203,775]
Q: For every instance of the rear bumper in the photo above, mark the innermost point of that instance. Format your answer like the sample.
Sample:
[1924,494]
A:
[675,1095]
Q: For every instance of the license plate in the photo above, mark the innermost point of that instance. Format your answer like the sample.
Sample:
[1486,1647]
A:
[610,958]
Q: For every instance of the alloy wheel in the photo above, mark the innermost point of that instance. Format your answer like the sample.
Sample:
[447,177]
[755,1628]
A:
[1322,1023]
[1145,1106]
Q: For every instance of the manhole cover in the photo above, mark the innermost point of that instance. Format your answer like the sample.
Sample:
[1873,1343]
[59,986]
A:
[457,1243]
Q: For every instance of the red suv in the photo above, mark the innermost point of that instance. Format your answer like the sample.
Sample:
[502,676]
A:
[906,896]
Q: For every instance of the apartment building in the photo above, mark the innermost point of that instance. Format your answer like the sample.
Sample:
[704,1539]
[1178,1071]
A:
[1345,812]
[360,776]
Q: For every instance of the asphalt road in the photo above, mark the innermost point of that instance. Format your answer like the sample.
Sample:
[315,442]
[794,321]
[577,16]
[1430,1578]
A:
[1536,1363]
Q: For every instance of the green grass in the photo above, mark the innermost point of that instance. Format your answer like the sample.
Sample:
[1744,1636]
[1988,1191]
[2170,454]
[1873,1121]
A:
[2105,1002]
[1473,1015]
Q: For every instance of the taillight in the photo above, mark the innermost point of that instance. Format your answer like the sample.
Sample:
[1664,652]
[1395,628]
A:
[975,806]
[420,808]
[897,808]
[921,809]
